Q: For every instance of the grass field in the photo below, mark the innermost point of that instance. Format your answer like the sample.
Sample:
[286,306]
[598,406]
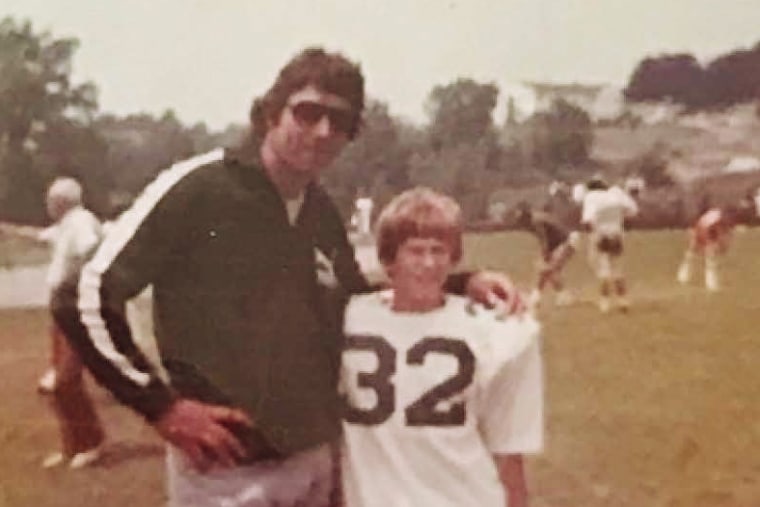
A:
[656,408]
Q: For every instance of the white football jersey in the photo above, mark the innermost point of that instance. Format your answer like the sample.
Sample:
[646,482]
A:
[430,397]
[605,210]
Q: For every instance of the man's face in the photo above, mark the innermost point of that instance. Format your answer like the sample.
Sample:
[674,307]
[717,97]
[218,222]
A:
[420,269]
[312,130]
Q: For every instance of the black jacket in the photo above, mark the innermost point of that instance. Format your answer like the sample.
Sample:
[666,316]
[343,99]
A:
[239,316]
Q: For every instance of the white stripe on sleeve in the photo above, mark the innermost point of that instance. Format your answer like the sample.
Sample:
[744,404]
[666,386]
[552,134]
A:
[89,303]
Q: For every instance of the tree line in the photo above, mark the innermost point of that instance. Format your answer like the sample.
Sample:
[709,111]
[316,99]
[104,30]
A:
[50,126]
[727,80]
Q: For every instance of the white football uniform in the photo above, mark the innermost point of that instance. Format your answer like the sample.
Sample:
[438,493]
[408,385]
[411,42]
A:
[605,211]
[431,396]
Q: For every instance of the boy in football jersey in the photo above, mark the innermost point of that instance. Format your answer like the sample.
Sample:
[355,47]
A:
[442,397]
[709,237]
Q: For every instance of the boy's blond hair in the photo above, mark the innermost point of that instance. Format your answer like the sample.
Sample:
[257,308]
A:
[415,213]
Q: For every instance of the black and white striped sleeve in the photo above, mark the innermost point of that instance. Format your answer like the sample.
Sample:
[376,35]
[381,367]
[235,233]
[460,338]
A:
[130,258]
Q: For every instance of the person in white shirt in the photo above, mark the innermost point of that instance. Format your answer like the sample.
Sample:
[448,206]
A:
[442,396]
[603,215]
[362,217]
[73,237]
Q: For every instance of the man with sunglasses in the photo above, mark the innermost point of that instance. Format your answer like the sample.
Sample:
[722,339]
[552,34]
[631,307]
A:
[250,265]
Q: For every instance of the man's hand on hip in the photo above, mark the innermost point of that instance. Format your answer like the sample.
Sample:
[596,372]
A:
[201,431]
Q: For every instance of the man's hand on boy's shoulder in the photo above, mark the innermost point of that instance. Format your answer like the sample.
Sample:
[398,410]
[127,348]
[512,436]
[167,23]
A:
[493,289]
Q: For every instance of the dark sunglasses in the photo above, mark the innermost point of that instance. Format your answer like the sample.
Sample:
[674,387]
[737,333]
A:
[310,113]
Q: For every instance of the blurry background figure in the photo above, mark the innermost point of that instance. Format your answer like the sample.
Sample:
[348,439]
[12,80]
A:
[75,234]
[557,244]
[579,192]
[361,220]
[497,211]
[709,237]
[634,186]
[557,187]
[603,215]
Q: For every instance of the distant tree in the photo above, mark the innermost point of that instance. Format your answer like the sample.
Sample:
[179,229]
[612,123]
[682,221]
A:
[729,79]
[139,146]
[733,78]
[515,165]
[461,112]
[39,108]
[560,137]
[79,151]
[460,171]
[652,167]
[376,159]
[678,78]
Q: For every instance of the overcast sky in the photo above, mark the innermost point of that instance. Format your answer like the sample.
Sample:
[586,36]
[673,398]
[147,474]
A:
[206,59]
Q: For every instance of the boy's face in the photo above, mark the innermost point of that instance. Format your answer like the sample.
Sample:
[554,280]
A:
[420,269]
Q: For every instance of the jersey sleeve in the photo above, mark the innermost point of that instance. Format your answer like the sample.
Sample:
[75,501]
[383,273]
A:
[512,401]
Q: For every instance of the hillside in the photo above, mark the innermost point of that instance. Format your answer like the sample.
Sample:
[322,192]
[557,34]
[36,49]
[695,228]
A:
[697,145]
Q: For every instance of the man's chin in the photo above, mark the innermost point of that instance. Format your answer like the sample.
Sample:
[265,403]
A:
[313,164]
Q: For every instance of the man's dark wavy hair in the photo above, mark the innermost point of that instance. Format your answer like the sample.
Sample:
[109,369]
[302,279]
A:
[329,72]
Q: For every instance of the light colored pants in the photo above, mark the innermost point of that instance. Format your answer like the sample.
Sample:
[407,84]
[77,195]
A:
[306,479]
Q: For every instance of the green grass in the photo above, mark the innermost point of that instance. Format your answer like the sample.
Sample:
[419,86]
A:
[656,408]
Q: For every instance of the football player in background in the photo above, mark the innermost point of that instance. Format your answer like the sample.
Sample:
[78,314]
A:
[709,237]
[603,214]
[558,245]
[443,397]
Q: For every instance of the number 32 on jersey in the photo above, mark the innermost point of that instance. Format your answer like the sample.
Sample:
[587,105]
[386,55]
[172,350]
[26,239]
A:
[426,410]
